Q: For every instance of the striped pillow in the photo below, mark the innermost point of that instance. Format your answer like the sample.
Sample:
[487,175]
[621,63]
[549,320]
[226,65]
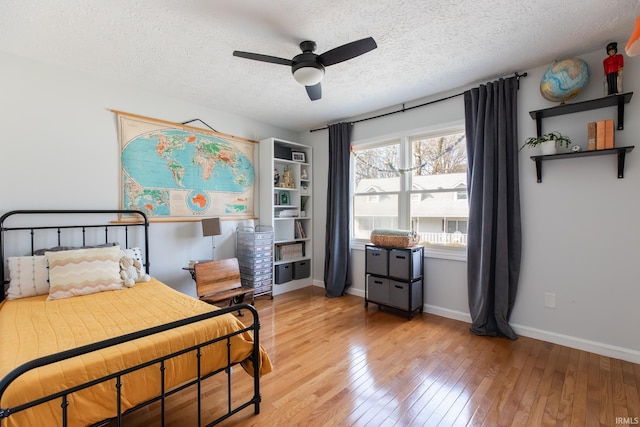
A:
[83,271]
[28,276]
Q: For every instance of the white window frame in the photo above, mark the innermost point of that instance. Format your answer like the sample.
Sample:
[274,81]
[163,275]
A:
[404,195]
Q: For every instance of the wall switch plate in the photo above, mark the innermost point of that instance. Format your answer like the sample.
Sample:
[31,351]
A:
[549,300]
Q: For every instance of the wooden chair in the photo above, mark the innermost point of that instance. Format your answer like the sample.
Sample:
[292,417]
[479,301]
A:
[218,281]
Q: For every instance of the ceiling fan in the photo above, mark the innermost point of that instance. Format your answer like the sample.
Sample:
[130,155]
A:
[308,68]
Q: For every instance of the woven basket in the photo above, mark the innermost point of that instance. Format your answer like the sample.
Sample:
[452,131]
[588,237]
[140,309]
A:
[394,238]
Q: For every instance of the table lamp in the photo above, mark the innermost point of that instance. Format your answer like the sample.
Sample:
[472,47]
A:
[211,227]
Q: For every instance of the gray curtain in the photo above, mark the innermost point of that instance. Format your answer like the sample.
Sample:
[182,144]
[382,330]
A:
[336,253]
[494,235]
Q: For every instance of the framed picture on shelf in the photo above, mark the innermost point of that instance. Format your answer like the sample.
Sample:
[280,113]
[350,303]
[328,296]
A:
[284,198]
[298,156]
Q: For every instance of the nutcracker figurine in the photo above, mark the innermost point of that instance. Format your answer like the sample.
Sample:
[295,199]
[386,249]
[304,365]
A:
[613,65]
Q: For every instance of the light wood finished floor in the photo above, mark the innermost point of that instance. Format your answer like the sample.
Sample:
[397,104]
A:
[339,364]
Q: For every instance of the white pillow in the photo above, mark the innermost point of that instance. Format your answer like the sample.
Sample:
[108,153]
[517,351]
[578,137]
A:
[137,254]
[28,277]
[83,272]
[134,253]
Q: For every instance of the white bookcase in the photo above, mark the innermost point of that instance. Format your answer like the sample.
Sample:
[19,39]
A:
[286,203]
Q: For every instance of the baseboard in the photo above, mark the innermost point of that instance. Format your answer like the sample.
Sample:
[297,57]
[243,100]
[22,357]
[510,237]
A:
[356,292]
[350,291]
[445,312]
[579,343]
[290,286]
[602,349]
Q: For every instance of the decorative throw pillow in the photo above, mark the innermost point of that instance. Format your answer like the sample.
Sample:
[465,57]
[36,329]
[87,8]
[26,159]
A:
[83,271]
[135,253]
[28,276]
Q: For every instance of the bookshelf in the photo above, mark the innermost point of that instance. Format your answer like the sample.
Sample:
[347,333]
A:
[286,205]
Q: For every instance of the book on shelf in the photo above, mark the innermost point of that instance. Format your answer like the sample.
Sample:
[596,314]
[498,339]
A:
[300,234]
[600,135]
[609,134]
[591,136]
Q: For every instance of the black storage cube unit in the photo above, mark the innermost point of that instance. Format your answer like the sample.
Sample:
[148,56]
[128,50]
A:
[376,260]
[284,273]
[395,278]
[378,289]
[405,264]
[302,269]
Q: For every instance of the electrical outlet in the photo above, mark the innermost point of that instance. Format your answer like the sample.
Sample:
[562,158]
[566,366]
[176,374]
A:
[549,300]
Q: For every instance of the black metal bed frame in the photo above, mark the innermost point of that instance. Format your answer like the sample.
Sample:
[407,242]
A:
[255,359]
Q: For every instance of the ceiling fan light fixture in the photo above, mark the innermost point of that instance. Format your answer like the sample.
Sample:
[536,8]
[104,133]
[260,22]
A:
[309,75]
[308,68]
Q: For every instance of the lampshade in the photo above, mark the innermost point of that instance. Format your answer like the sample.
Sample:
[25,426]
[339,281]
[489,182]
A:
[211,227]
[309,75]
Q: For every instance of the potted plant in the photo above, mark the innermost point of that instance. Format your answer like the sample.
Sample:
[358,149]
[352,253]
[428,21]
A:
[548,142]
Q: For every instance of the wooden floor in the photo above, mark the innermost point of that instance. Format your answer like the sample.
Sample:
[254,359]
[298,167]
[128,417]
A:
[339,364]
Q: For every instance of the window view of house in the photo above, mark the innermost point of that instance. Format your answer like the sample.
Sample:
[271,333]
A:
[417,183]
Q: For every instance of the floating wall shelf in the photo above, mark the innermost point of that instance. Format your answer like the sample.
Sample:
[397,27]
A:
[620,151]
[607,101]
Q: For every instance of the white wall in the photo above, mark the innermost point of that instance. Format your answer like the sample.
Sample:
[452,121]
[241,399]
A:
[60,151]
[580,225]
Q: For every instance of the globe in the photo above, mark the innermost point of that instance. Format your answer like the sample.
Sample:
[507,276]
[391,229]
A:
[564,79]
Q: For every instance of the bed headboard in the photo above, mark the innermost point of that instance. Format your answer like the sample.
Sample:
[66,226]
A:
[32,230]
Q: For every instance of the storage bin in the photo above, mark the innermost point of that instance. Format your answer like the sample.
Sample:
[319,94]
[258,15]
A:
[302,269]
[255,277]
[405,264]
[256,246]
[254,250]
[378,289]
[258,270]
[394,238]
[399,294]
[284,273]
[256,283]
[264,289]
[248,261]
[376,260]
[245,253]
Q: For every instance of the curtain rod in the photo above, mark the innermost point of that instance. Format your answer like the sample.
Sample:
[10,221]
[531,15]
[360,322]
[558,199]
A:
[403,109]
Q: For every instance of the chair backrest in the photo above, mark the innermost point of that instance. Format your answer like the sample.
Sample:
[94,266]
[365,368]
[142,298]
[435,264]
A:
[217,276]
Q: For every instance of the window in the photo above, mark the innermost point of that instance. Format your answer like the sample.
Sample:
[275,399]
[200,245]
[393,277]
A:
[373,199]
[414,182]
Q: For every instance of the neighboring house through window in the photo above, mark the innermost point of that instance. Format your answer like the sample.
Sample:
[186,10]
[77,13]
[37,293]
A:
[414,182]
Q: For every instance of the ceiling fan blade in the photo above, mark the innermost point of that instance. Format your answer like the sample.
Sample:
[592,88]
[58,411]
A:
[314,92]
[347,51]
[263,58]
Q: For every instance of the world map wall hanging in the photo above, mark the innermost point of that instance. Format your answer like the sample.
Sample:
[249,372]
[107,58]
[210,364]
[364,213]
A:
[169,170]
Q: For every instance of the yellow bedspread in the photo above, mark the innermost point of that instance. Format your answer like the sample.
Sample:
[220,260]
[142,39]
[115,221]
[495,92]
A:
[32,328]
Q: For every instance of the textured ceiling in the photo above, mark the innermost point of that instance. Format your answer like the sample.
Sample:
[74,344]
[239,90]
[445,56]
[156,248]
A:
[183,48]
